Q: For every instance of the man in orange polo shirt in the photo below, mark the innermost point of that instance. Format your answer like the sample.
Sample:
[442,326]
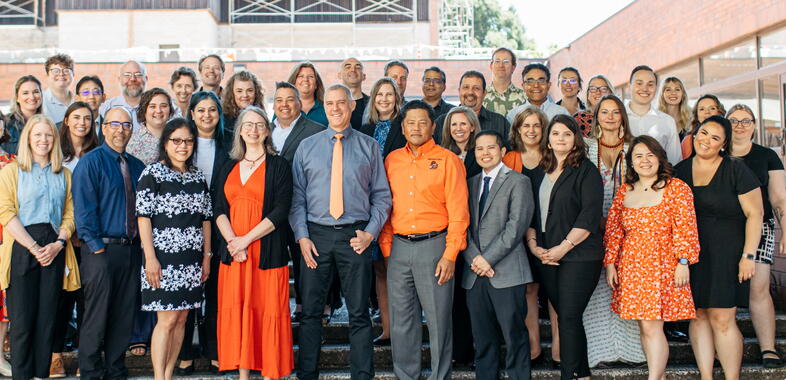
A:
[420,241]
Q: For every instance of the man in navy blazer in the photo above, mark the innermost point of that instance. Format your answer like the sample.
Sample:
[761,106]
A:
[501,205]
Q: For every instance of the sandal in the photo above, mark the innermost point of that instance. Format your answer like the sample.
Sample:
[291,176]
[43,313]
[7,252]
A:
[136,348]
[771,362]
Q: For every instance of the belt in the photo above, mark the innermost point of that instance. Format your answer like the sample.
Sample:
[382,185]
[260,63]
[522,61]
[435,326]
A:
[419,237]
[119,241]
[340,226]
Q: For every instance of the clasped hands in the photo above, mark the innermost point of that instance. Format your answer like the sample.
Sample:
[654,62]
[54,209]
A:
[550,256]
[237,247]
[46,254]
[481,267]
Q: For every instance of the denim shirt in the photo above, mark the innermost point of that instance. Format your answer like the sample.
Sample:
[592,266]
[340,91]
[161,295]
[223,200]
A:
[41,196]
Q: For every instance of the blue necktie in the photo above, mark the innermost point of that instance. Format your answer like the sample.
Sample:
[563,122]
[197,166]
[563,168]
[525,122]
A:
[484,195]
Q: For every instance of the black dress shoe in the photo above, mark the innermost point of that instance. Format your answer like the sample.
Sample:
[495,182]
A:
[537,362]
[382,341]
[188,371]
[555,364]
[675,335]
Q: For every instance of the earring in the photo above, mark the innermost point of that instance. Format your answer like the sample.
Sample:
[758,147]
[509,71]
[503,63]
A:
[600,133]
[622,133]
[549,145]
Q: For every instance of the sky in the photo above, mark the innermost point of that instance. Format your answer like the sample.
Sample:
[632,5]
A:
[561,21]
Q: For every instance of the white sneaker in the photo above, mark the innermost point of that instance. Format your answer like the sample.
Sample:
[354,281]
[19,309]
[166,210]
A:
[5,368]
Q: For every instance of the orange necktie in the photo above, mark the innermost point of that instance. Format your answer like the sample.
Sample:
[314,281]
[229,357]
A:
[336,175]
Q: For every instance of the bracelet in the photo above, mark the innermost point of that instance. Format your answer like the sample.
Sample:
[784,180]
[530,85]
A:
[33,247]
[208,254]
[531,239]
[571,243]
[748,256]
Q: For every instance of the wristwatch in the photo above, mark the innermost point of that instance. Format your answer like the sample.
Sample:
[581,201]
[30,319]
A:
[62,241]
[208,254]
[683,261]
[748,256]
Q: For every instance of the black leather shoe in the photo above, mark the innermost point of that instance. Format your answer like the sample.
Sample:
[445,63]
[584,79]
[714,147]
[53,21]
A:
[771,362]
[675,335]
[188,371]
[382,341]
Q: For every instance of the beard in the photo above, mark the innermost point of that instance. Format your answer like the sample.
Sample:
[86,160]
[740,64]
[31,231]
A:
[133,93]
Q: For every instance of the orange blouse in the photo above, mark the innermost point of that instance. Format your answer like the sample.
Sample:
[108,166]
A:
[513,160]
[645,243]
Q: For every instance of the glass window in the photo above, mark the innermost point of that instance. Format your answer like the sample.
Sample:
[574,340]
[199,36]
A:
[771,123]
[687,72]
[744,93]
[729,62]
[773,47]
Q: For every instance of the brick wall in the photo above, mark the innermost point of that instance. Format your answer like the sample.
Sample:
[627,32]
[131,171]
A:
[269,72]
[661,34]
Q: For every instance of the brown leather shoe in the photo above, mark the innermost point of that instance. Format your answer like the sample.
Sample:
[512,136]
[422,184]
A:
[56,369]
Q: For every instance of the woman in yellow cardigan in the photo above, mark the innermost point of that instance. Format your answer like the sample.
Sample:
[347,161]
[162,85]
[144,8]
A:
[36,259]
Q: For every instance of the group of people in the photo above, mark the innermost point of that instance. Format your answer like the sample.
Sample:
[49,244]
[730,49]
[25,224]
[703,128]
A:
[158,208]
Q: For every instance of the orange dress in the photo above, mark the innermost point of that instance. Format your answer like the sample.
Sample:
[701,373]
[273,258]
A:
[645,244]
[254,327]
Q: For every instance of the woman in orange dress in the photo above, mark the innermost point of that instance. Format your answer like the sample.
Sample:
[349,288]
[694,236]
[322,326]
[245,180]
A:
[254,331]
[651,238]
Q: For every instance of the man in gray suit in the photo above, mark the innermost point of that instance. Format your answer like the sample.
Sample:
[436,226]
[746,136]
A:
[501,207]
[290,127]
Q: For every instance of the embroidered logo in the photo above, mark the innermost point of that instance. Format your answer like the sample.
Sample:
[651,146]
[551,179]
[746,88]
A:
[433,165]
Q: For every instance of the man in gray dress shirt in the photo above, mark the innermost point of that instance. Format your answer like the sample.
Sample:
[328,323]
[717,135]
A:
[336,236]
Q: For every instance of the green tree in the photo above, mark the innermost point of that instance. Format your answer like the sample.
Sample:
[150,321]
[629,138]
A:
[497,27]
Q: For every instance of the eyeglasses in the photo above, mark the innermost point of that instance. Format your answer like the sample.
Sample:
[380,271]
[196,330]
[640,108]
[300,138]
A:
[568,80]
[532,81]
[136,75]
[433,81]
[744,122]
[117,124]
[249,126]
[178,142]
[88,92]
[59,71]
[497,61]
[603,89]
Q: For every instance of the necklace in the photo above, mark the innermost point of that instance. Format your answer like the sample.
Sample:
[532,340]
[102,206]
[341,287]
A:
[617,145]
[254,161]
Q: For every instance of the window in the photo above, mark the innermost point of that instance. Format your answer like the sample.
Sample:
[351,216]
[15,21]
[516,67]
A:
[687,72]
[729,62]
[772,47]
[770,127]
[169,53]
[744,93]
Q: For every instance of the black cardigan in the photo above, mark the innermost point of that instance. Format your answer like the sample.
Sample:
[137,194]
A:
[278,198]
[576,202]
[395,139]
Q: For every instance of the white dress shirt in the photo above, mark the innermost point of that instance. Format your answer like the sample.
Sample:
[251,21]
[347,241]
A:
[660,126]
[493,174]
[280,134]
[548,107]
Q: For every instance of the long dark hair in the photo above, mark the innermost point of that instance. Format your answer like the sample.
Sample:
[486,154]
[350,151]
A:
[665,170]
[218,133]
[170,127]
[91,140]
[579,153]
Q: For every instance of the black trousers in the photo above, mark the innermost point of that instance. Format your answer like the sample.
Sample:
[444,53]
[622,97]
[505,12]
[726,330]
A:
[65,313]
[334,294]
[110,282]
[463,350]
[497,318]
[33,295]
[354,269]
[569,287]
[207,326]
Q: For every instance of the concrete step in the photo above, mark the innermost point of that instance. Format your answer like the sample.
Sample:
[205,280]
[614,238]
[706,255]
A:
[336,356]
[682,372]
[337,332]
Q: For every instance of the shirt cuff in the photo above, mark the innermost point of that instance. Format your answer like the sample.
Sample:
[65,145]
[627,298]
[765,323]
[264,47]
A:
[94,244]
[450,253]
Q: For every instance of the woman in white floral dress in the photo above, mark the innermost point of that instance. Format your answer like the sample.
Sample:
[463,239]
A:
[174,209]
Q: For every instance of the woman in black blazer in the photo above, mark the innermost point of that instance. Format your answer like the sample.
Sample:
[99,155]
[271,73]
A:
[251,208]
[564,235]
[206,113]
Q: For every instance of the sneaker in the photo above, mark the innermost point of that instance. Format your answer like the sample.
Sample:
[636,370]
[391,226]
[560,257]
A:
[56,369]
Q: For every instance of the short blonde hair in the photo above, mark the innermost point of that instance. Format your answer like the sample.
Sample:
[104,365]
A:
[24,158]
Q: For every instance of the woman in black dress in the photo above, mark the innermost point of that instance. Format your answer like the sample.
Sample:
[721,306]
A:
[729,216]
[174,210]
[768,168]
[565,235]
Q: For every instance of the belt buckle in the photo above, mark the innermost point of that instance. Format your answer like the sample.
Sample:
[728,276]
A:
[411,236]
[337,227]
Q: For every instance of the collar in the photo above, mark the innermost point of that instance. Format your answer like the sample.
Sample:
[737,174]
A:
[425,148]
[347,132]
[491,89]
[292,124]
[652,110]
[317,106]
[50,97]
[494,172]
[112,153]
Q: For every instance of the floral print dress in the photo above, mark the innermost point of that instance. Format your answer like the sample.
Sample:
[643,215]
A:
[645,244]
[177,204]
